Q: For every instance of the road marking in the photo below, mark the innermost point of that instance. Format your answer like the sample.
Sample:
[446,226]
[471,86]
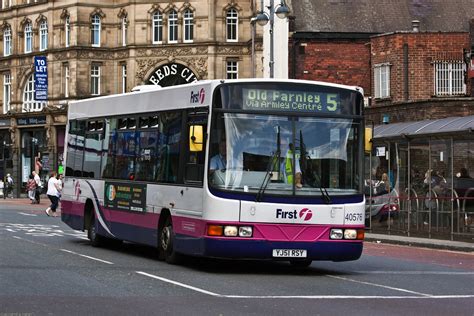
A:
[85,256]
[178,284]
[378,285]
[416,272]
[40,230]
[418,296]
[27,214]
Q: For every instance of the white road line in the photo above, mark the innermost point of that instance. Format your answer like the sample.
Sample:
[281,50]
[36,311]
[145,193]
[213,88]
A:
[417,272]
[178,284]
[378,285]
[418,296]
[88,257]
[27,214]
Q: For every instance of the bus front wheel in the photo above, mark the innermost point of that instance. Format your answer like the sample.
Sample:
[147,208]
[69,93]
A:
[166,243]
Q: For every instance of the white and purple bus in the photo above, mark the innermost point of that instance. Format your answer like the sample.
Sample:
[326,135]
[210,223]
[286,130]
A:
[248,169]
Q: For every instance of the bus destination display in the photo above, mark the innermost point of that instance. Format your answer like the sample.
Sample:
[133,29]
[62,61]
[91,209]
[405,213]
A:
[293,101]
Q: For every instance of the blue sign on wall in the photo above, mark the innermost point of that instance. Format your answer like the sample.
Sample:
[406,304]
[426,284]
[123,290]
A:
[41,78]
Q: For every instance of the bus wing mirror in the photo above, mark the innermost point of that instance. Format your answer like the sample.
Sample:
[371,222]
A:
[195,138]
[368,139]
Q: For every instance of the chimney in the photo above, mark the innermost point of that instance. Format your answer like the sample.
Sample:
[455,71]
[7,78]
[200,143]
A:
[415,24]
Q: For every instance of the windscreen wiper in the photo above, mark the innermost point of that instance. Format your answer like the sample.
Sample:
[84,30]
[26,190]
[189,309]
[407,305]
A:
[324,192]
[268,175]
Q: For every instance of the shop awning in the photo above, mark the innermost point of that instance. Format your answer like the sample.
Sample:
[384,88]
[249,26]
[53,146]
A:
[449,125]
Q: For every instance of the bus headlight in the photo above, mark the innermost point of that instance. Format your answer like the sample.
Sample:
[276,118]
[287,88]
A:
[336,233]
[350,234]
[230,231]
[245,231]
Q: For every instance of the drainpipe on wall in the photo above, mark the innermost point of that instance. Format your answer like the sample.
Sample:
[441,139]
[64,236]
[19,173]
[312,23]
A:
[405,72]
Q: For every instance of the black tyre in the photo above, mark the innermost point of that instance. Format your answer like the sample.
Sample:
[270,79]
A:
[96,240]
[301,263]
[166,243]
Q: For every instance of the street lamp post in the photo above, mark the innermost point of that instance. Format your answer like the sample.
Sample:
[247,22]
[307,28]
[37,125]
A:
[262,19]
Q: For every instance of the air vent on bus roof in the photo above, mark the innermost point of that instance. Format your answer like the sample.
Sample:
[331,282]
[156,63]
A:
[146,87]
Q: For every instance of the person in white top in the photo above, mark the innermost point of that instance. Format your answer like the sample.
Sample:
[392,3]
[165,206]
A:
[54,191]
[38,186]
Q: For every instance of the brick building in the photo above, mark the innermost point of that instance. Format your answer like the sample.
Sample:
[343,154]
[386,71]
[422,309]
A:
[413,58]
[99,48]
[393,50]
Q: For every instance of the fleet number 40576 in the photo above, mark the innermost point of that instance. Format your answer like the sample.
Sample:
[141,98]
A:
[353,217]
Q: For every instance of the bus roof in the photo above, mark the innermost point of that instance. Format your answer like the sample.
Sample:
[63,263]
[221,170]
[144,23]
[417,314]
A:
[191,95]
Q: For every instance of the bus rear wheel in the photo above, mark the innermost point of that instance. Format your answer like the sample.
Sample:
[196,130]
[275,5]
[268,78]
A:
[96,240]
[166,243]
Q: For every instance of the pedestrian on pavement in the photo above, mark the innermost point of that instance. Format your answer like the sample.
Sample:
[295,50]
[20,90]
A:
[31,188]
[9,187]
[54,191]
[39,186]
[2,188]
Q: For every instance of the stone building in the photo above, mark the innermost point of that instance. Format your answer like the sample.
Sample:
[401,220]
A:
[99,48]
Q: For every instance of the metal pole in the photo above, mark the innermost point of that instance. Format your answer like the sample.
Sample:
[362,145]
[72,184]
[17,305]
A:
[272,18]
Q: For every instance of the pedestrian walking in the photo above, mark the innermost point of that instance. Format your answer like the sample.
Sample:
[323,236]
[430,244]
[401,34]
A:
[54,192]
[39,186]
[31,188]
[9,187]
[2,189]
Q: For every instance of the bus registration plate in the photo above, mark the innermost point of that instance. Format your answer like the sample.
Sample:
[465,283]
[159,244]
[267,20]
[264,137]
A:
[289,253]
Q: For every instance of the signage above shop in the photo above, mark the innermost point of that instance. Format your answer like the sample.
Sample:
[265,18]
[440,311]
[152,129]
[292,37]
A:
[5,123]
[172,74]
[31,120]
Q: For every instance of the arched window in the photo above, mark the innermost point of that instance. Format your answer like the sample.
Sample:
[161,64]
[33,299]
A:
[173,27]
[188,22]
[157,27]
[43,30]
[232,22]
[95,30]
[29,103]
[28,38]
[7,41]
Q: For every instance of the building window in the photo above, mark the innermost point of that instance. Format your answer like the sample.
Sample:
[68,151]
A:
[7,41]
[449,78]
[124,31]
[43,30]
[124,78]
[29,103]
[173,27]
[7,90]
[66,80]
[188,22]
[232,21]
[157,28]
[6,3]
[95,80]
[95,31]
[382,81]
[232,71]
[28,38]
[67,30]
